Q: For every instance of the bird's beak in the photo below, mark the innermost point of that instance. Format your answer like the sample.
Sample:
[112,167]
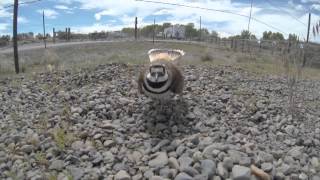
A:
[156,77]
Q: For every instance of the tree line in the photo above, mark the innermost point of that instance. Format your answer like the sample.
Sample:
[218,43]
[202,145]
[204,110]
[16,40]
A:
[191,33]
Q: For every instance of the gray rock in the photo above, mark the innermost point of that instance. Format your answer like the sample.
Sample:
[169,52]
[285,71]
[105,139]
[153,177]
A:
[190,170]
[303,176]
[27,149]
[173,163]
[228,163]
[137,177]
[122,175]
[285,169]
[160,161]
[296,152]
[315,162]
[221,171]
[160,144]
[108,157]
[200,177]
[185,161]
[245,161]
[208,167]
[109,143]
[75,172]
[241,173]
[183,176]
[197,156]
[267,167]
[56,165]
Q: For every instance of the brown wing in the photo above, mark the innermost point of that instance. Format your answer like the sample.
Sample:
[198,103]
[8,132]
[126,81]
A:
[178,81]
[140,81]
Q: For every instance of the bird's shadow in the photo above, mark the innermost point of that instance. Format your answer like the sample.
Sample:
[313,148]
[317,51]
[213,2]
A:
[164,122]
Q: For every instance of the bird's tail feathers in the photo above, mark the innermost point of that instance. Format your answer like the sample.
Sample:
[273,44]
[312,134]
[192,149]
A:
[165,54]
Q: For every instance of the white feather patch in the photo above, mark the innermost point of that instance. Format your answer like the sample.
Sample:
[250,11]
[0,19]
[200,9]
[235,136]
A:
[165,54]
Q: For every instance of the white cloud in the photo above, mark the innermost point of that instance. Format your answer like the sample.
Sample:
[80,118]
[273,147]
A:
[310,1]
[295,6]
[4,13]
[22,20]
[104,13]
[49,13]
[3,26]
[316,7]
[62,7]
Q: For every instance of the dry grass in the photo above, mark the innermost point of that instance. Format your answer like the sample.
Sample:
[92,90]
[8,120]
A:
[89,55]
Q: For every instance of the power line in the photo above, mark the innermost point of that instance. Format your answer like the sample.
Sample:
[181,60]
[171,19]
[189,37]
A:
[281,9]
[250,16]
[26,2]
[217,10]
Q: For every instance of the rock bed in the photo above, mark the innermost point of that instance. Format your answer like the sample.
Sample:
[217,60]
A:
[93,124]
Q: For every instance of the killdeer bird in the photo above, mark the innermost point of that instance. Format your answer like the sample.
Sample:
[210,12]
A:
[162,79]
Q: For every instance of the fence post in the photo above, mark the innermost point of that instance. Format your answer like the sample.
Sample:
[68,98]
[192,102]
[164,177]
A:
[53,35]
[135,28]
[69,34]
[66,34]
[231,43]
[242,45]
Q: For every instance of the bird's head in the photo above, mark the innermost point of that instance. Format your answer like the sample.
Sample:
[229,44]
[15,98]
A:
[157,73]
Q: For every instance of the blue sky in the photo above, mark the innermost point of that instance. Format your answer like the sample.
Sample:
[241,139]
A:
[289,16]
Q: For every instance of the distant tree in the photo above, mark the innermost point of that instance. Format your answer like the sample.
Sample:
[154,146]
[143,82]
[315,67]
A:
[245,34]
[214,33]
[293,37]
[39,36]
[129,31]
[191,32]
[272,36]
[147,31]
[166,25]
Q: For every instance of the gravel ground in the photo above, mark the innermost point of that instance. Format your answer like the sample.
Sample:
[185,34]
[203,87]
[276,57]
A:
[93,124]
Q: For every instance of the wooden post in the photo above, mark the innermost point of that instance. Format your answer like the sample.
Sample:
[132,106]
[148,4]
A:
[231,43]
[306,45]
[53,35]
[308,33]
[242,48]
[66,34]
[260,45]
[44,31]
[154,29]
[200,30]
[69,34]
[15,43]
[136,28]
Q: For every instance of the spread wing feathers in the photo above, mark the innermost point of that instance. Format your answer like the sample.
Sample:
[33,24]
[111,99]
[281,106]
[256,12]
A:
[164,54]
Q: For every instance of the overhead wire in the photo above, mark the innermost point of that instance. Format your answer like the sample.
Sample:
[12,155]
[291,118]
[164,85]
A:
[21,3]
[217,10]
[281,9]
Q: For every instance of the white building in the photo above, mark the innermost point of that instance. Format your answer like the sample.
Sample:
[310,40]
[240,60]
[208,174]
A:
[176,31]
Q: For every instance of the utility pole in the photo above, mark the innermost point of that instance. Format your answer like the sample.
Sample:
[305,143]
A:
[135,28]
[200,29]
[250,17]
[154,29]
[44,31]
[306,45]
[15,43]
[308,33]
[69,34]
[66,34]
[54,35]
